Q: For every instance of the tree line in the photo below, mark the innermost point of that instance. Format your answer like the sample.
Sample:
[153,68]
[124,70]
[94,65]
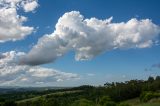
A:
[111,94]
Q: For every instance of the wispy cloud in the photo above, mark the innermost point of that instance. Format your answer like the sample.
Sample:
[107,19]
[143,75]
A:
[90,74]
[153,67]
[13,73]
[156,65]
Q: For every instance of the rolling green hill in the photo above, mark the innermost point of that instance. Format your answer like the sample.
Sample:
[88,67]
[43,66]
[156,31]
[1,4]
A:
[129,93]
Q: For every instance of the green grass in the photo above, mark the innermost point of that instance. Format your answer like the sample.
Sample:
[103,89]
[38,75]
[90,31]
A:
[37,97]
[136,102]
[149,104]
[133,102]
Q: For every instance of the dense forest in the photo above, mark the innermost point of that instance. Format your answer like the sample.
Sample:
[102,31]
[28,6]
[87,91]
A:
[111,94]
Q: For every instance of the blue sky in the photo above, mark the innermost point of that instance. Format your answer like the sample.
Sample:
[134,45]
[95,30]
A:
[113,65]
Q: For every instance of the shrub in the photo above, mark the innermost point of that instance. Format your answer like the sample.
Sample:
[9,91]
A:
[10,103]
[123,104]
[109,103]
[146,96]
[104,99]
[82,102]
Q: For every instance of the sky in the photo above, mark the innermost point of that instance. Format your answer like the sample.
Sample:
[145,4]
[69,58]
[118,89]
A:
[78,42]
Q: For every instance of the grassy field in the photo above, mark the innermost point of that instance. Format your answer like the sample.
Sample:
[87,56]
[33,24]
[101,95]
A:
[149,104]
[136,102]
[57,93]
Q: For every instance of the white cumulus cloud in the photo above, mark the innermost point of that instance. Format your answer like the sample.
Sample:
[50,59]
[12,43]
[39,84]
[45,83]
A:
[29,5]
[11,23]
[91,37]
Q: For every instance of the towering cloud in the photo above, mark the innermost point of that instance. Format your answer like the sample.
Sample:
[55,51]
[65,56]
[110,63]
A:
[91,37]
[11,23]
